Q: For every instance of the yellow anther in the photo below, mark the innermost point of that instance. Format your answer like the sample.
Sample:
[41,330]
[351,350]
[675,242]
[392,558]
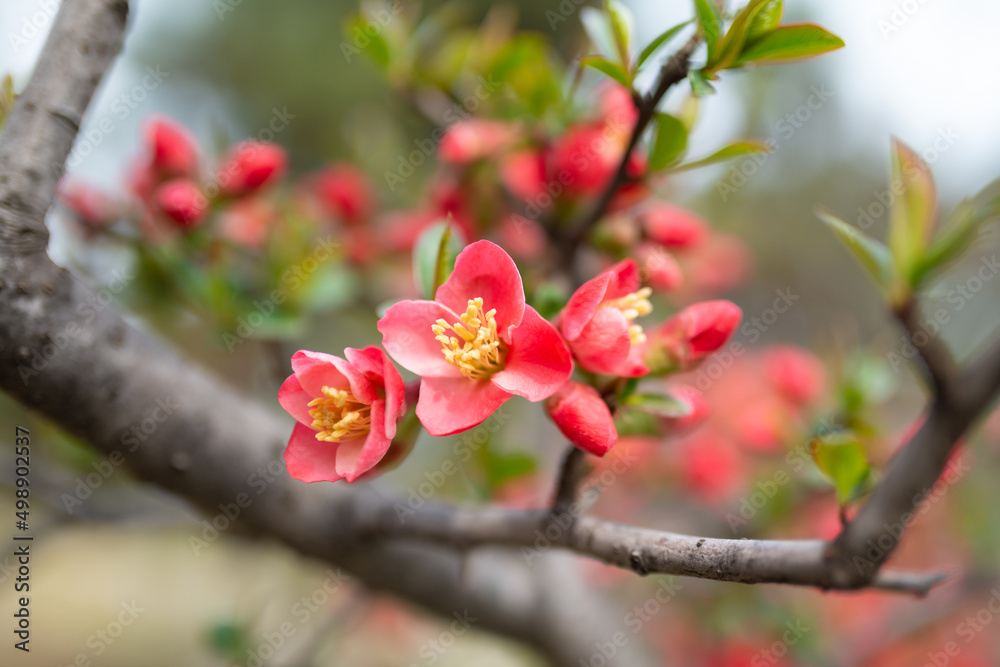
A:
[338,415]
[632,306]
[478,351]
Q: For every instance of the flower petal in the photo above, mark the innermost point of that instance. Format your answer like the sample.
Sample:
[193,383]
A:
[375,362]
[583,304]
[407,337]
[452,405]
[626,279]
[604,344]
[484,270]
[316,370]
[538,362]
[309,459]
[294,399]
[356,457]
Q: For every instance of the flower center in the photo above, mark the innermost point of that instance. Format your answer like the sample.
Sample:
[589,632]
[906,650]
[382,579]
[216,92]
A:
[477,351]
[337,415]
[632,306]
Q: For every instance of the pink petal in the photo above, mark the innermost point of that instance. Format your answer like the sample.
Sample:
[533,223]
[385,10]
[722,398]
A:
[604,344]
[538,362]
[374,361]
[407,337]
[484,270]
[626,279]
[316,370]
[356,457]
[452,405]
[295,400]
[309,459]
[583,304]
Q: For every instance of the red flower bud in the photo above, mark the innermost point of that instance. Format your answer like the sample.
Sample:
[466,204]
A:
[173,149]
[660,266]
[182,201]
[475,139]
[583,417]
[798,375]
[92,206]
[673,226]
[250,166]
[691,335]
[345,193]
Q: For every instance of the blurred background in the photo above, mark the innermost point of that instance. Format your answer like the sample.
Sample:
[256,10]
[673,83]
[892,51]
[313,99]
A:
[922,71]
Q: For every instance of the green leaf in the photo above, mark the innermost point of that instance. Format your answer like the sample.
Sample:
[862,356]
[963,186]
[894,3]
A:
[733,150]
[622,28]
[633,421]
[842,459]
[789,43]
[527,65]
[669,142]
[735,38]
[766,20]
[959,231]
[699,84]
[377,48]
[660,40]
[914,210]
[434,257]
[597,25]
[871,253]
[549,299]
[614,70]
[708,25]
[659,405]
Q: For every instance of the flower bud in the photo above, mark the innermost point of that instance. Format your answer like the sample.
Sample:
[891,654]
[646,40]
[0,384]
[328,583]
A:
[798,375]
[685,339]
[345,193]
[673,226]
[172,148]
[250,166]
[475,139]
[182,201]
[583,417]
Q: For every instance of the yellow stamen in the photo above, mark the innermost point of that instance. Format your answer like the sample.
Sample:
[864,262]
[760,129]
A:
[632,306]
[478,351]
[337,415]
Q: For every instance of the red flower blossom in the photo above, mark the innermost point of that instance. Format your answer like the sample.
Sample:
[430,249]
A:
[250,166]
[523,174]
[583,417]
[345,193]
[475,139]
[477,344]
[172,148]
[182,201]
[673,226]
[691,335]
[597,322]
[798,375]
[346,412]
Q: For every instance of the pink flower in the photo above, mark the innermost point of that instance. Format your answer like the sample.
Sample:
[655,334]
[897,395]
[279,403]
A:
[691,335]
[583,417]
[251,165]
[798,375]
[247,221]
[172,148]
[475,139]
[182,201]
[346,412]
[477,344]
[523,174]
[92,206]
[597,322]
[586,156]
[663,270]
[673,226]
[345,193]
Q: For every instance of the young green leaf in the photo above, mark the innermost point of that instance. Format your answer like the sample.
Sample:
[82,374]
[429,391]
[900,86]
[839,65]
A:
[959,231]
[597,25]
[789,43]
[767,19]
[613,70]
[732,43]
[708,25]
[669,142]
[733,150]
[914,210]
[659,405]
[434,257]
[622,28]
[842,459]
[378,48]
[699,84]
[660,40]
[871,253]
